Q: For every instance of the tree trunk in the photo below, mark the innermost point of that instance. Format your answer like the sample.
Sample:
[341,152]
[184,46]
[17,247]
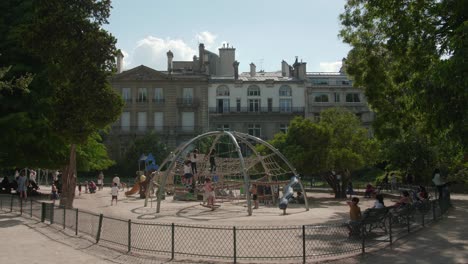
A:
[69,180]
[338,185]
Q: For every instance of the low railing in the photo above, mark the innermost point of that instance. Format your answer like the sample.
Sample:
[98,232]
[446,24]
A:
[233,243]
[258,110]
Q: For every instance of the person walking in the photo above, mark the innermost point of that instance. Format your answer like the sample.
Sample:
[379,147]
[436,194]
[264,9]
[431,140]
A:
[100,181]
[439,183]
[209,191]
[254,192]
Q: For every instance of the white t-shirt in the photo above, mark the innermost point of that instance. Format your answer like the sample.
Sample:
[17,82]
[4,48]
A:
[193,158]
[115,191]
[437,180]
[377,205]
[187,169]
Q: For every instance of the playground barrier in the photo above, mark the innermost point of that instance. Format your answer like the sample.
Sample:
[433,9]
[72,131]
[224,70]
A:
[233,243]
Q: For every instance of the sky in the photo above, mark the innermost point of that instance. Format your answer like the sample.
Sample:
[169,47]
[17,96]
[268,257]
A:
[264,32]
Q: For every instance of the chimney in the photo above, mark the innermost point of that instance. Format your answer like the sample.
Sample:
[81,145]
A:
[301,71]
[120,57]
[284,69]
[201,55]
[170,56]
[343,66]
[252,69]
[227,56]
[236,70]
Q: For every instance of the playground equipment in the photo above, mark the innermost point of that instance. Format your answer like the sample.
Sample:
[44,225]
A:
[134,189]
[234,161]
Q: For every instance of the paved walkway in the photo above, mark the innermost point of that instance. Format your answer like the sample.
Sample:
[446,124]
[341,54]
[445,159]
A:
[24,240]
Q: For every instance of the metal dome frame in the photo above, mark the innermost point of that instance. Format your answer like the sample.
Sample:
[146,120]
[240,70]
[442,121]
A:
[234,136]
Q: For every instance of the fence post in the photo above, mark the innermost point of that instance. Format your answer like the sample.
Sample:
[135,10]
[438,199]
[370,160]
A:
[422,220]
[172,240]
[390,229]
[363,234]
[31,208]
[98,235]
[303,245]
[43,212]
[21,206]
[76,222]
[11,204]
[407,221]
[64,216]
[129,235]
[235,243]
[433,210]
[52,211]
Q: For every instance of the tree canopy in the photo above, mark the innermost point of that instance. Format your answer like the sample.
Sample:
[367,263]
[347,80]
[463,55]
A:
[410,57]
[337,143]
[61,43]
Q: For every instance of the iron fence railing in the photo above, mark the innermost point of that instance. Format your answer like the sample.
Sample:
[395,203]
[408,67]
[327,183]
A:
[306,242]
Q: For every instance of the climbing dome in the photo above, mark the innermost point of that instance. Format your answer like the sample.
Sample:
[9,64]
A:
[240,162]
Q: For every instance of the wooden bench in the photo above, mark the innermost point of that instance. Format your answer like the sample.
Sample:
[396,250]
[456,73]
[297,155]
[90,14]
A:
[374,218]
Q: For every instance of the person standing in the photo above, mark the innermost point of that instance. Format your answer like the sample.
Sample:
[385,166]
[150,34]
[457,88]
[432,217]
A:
[438,182]
[354,216]
[209,192]
[116,179]
[114,193]
[254,192]
[212,160]
[22,186]
[394,181]
[54,194]
[100,181]
[193,160]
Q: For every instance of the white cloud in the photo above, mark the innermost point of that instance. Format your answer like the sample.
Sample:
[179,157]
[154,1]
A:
[151,51]
[330,66]
[206,38]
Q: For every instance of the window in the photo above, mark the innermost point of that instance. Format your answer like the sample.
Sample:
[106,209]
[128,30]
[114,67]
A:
[345,82]
[337,97]
[187,95]
[125,121]
[320,97]
[142,94]
[284,128]
[188,121]
[254,105]
[223,106]
[352,98]
[285,105]
[270,104]
[285,90]
[126,94]
[141,121]
[238,104]
[158,95]
[320,81]
[254,130]
[222,127]
[158,121]
[253,90]
[222,90]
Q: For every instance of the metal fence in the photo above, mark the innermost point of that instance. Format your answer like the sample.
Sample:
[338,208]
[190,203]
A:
[300,243]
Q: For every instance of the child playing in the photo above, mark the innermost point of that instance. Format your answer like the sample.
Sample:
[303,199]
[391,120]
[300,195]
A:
[187,179]
[209,192]
[114,193]
[253,191]
[354,216]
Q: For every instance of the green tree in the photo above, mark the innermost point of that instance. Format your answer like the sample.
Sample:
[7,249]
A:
[63,45]
[350,147]
[410,57]
[149,143]
[337,143]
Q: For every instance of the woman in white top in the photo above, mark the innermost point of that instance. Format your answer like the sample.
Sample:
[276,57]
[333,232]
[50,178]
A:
[379,203]
[193,160]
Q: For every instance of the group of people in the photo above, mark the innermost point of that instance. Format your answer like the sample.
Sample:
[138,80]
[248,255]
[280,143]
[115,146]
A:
[21,183]
[191,169]
[420,195]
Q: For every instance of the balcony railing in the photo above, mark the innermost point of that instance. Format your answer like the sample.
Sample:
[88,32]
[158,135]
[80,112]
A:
[157,129]
[159,100]
[262,110]
[188,102]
